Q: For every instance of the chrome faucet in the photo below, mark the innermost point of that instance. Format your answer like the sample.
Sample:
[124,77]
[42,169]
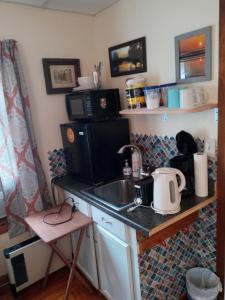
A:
[121,150]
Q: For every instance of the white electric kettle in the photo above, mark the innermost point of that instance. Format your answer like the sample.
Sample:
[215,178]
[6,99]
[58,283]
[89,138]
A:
[166,195]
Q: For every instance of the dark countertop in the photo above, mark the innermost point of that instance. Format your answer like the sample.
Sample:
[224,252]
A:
[143,219]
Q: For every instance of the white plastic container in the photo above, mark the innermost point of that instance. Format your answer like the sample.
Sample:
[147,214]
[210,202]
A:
[127,170]
[201,174]
[152,97]
[86,82]
[202,284]
[135,164]
[136,82]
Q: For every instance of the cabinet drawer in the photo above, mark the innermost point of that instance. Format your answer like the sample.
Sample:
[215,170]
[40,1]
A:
[81,205]
[111,224]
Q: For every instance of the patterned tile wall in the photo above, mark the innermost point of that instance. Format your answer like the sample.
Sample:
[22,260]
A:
[163,268]
[57,163]
[158,150]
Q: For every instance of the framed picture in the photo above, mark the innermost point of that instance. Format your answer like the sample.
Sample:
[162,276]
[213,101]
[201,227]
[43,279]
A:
[193,56]
[60,74]
[128,58]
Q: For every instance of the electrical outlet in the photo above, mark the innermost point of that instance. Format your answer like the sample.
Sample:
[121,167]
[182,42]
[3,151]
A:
[216,114]
[164,117]
[210,147]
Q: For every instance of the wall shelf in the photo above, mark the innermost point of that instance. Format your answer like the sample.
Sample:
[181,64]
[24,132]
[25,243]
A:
[164,110]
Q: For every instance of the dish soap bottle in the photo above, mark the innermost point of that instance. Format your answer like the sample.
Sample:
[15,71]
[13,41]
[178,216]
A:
[135,164]
[127,171]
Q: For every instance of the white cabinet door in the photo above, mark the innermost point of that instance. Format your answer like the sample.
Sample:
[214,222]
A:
[87,258]
[114,265]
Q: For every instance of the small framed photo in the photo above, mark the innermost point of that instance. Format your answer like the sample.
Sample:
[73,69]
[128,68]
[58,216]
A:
[60,74]
[128,58]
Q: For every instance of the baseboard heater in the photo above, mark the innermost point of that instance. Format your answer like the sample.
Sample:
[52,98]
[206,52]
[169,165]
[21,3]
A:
[27,261]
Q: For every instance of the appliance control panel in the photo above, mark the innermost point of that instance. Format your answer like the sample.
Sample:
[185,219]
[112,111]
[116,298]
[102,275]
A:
[89,106]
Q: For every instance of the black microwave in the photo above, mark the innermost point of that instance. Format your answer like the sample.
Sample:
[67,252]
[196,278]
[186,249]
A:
[103,104]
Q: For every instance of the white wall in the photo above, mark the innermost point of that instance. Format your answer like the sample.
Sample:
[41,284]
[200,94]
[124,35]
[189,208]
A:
[43,33]
[159,21]
[51,34]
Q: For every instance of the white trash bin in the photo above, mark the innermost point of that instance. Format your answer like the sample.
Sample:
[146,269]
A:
[202,284]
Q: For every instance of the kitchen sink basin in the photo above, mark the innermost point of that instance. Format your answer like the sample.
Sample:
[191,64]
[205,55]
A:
[118,194]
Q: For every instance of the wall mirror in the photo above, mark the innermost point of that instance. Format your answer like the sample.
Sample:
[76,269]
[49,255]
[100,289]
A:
[193,56]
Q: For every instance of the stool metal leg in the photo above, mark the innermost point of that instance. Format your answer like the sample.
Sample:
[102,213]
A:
[72,270]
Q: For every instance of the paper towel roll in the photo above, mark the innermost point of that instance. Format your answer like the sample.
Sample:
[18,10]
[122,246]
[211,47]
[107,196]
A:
[201,174]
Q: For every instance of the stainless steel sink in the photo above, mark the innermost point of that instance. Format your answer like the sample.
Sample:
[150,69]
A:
[118,194]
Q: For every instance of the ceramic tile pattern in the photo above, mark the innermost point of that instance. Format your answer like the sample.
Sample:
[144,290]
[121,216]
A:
[163,268]
[158,150]
[57,163]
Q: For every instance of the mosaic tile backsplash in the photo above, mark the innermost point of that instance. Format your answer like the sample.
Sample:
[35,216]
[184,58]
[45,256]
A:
[57,163]
[158,150]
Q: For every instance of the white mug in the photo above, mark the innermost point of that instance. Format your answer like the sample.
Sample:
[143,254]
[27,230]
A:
[199,94]
[191,97]
[187,99]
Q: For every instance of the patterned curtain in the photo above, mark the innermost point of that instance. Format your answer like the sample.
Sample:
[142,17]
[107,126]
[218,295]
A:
[20,167]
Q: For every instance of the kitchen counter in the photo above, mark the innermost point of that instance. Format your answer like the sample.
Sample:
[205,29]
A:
[142,219]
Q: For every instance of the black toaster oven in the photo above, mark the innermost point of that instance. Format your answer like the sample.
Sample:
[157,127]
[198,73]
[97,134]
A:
[96,105]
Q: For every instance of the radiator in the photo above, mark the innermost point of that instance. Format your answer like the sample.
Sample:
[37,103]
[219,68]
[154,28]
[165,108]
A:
[27,261]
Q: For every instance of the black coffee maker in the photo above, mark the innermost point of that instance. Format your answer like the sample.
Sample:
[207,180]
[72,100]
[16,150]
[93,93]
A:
[184,162]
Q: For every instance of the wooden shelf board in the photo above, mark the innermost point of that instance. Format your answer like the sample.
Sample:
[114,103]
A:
[164,110]
[160,237]
[182,215]
[166,229]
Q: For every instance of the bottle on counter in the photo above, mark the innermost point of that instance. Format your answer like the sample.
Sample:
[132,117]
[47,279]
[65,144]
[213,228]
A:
[127,170]
[135,164]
